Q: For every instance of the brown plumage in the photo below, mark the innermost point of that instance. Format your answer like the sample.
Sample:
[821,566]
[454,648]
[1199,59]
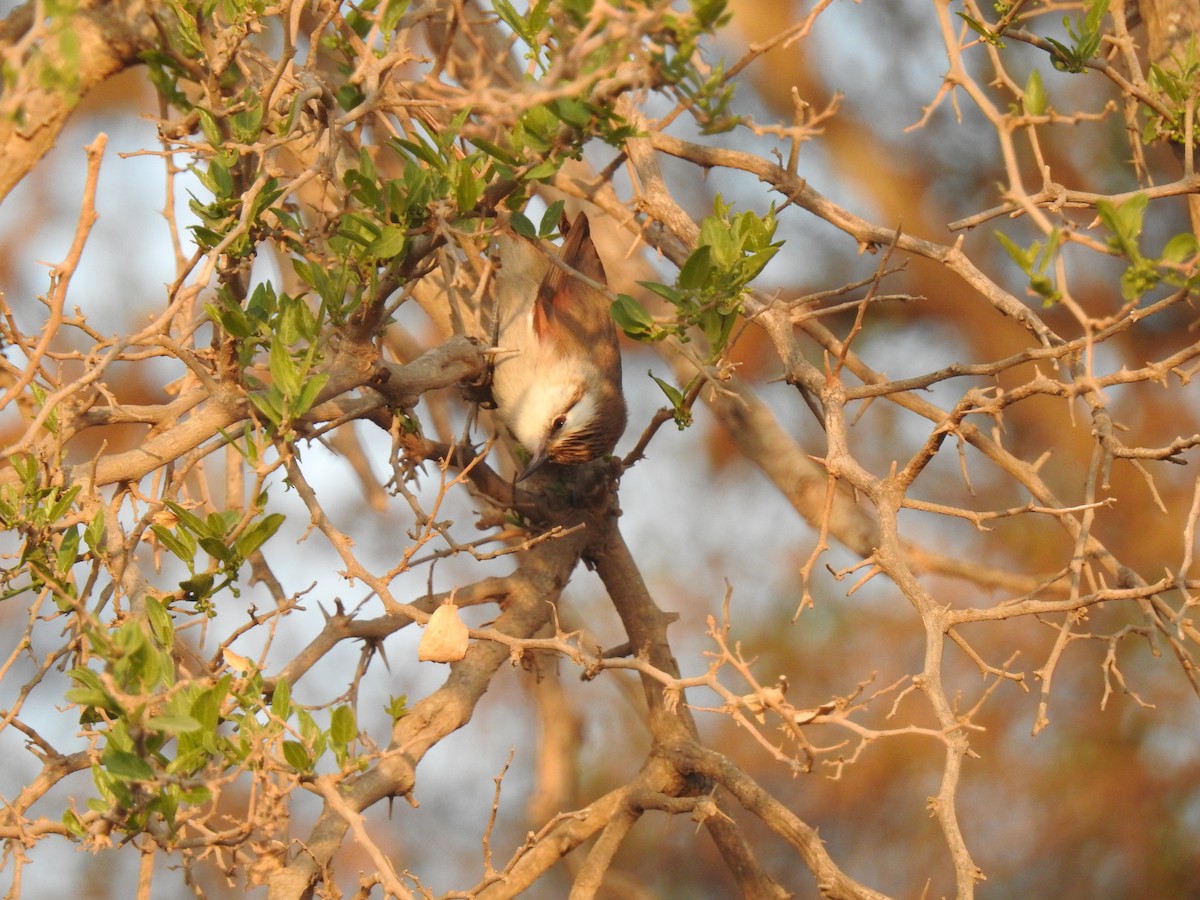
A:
[557,380]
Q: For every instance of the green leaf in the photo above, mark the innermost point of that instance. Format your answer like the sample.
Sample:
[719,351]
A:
[682,415]
[573,112]
[663,290]
[231,318]
[542,170]
[68,550]
[1095,16]
[269,403]
[309,730]
[174,724]
[188,31]
[62,504]
[673,393]
[187,518]
[551,219]
[161,625]
[206,708]
[342,726]
[348,96]
[181,546]
[708,12]
[284,370]
[1182,246]
[495,151]
[247,124]
[521,224]
[218,549]
[393,10]
[26,468]
[85,677]
[467,187]
[697,270]
[1034,99]
[389,244]
[309,393]
[258,534]
[281,701]
[397,707]
[126,766]
[74,824]
[980,29]
[631,317]
[297,756]
[1019,255]
[93,535]
[1125,222]
[423,152]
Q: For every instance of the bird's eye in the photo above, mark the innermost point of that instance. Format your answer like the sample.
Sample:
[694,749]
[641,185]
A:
[557,425]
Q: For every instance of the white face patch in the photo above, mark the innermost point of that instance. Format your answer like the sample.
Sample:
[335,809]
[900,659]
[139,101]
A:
[532,417]
[534,384]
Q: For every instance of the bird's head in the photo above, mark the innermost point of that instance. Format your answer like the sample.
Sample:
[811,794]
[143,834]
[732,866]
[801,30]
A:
[570,414]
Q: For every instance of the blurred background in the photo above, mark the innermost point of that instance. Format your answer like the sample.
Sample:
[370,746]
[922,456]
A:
[1102,803]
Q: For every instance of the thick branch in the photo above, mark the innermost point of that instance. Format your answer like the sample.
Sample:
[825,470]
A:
[48,84]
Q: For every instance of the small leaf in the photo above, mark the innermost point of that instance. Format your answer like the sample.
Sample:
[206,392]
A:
[180,546]
[495,151]
[93,535]
[281,701]
[297,756]
[542,170]
[174,724]
[268,403]
[696,271]
[161,625]
[187,518]
[217,549]
[389,244]
[665,291]
[573,112]
[259,533]
[62,504]
[74,824]
[342,726]
[1019,255]
[1035,95]
[397,707]
[980,29]
[521,224]
[284,370]
[127,766]
[68,550]
[1182,246]
[551,219]
[309,393]
[631,317]
[673,393]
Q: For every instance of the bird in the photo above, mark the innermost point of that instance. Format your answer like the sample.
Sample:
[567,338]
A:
[556,380]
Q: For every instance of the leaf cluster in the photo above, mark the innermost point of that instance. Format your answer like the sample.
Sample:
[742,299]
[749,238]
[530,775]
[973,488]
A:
[731,251]
[223,538]
[38,511]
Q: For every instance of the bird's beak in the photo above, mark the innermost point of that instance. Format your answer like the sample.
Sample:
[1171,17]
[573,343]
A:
[535,463]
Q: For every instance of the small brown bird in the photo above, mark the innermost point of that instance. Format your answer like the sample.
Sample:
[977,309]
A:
[557,379]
